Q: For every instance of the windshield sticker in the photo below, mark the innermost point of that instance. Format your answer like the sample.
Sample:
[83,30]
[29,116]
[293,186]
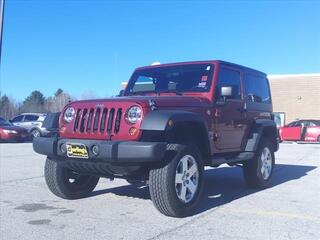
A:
[204,78]
[202,84]
[208,68]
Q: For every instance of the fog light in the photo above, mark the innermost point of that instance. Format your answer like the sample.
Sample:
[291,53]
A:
[95,150]
[132,131]
[63,148]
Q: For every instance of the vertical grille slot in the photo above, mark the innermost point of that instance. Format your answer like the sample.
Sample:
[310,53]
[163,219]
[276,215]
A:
[103,120]
[110,121]
[96,120]
[76,123]
[118,120]
[83,119]
[89,122]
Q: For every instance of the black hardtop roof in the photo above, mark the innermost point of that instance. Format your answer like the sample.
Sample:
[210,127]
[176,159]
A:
[243,68]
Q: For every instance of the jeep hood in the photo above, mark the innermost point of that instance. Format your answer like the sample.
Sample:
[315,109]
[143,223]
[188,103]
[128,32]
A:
[160,101]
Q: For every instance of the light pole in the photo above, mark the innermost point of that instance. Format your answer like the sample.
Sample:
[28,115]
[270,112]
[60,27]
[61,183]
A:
[1,24]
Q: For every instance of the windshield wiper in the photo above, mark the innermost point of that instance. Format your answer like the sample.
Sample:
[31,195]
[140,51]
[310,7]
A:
[170,91]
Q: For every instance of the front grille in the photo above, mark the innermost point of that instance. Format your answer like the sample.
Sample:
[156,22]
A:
[98,120]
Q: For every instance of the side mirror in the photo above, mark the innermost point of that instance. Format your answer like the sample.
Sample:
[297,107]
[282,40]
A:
[226,92]
[120,93]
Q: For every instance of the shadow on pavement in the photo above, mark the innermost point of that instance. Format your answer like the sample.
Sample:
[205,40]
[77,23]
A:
[222,185]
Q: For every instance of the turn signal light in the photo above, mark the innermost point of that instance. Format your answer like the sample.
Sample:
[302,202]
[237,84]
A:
[133,131]
[62,129]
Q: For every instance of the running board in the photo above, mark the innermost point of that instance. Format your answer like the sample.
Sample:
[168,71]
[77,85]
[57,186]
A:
[244,156]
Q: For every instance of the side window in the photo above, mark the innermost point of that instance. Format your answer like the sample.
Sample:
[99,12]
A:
[30,118]
[311,124]
[293,124]
[18,119]
[229,78]
[314,123]
[257,89]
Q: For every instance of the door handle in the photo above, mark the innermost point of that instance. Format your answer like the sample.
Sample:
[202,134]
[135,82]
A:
[217,113]
[242,110]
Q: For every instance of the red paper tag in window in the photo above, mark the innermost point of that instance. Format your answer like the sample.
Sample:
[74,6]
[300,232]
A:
[204,78]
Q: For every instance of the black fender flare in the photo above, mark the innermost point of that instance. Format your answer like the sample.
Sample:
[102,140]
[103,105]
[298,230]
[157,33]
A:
[259,128]
[158,121]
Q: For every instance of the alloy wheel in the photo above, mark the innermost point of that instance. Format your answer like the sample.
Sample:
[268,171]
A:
[266,163]
[186,179]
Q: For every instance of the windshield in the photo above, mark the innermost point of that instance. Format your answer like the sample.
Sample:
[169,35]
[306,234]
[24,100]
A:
[4,122]
[177,79]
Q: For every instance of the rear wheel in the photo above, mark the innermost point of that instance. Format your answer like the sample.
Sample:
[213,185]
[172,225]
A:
[35,133]
[175,188]
[66,183]
[258,171]
[318,139]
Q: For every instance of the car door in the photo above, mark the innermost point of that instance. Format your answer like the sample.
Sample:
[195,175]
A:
[229,119]
[30,121]
[292,131]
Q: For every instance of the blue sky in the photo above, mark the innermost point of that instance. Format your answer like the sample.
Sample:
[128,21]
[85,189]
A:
[92,46]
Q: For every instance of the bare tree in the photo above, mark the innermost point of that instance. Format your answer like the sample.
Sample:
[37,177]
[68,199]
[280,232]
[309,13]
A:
[58,102]
[8,109]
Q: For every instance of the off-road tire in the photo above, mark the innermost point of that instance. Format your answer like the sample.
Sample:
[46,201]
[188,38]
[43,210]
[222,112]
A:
[57,179]
[162,184]
[252,169]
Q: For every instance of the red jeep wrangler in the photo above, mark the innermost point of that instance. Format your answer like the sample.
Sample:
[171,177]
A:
[170,122]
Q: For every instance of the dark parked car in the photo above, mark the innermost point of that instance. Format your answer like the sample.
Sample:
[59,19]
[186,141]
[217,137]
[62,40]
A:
[301,130]
[11,133]
[32,122]
[171,121]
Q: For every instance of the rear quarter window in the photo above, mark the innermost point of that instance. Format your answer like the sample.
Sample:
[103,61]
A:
[257,89]
[30,118]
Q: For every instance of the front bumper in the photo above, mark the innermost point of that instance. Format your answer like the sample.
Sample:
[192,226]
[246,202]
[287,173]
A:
[109,151]
[10,137]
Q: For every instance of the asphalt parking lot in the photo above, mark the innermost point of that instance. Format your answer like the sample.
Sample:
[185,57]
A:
[290,209]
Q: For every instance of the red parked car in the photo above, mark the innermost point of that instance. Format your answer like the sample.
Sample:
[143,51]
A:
[10,133]
[302,130]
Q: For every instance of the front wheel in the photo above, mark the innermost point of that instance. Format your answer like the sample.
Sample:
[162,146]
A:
[258,171]
[67,184]
[175,188]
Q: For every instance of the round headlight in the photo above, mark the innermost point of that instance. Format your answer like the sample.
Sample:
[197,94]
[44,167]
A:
[69,114]
[134,114]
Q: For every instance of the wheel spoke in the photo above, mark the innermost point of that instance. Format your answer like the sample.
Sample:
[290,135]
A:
[192,187]
[179,178]
[183,193]
[263,169]
[264,173]
[192,170]
[184,165]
